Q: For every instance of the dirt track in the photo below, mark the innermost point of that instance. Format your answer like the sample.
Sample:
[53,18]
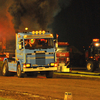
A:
[41,88]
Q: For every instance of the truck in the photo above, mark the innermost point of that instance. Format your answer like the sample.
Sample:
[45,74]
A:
[92,56]
[62,57]
[34,53]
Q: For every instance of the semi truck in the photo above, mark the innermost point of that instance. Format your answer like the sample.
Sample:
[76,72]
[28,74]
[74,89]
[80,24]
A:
[62,57]
[34,53]
[92,56]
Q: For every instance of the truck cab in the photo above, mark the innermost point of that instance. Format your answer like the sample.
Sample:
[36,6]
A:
[92,56]
[62,57]
[34,53]
[62,54]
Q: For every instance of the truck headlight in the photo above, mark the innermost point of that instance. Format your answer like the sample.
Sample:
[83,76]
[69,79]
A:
[26,65]
[52,64]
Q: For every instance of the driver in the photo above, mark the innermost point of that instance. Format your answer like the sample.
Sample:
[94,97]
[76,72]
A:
[27,43]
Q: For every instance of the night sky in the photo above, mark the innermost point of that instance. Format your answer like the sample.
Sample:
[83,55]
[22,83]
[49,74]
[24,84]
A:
[78,23]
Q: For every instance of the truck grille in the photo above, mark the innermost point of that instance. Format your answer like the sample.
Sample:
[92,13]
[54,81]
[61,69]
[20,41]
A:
[40,58]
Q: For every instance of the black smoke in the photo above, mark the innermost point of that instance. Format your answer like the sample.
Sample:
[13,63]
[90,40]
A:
[35,14]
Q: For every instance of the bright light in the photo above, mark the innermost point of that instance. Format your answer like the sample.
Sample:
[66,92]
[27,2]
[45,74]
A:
[97,44]
[25,36]
[26,65]
[95,40]
[37,32]
[40,32]
[51,35]
[43,32]
[56,65]
[52,64]
[26,28]
[33,32]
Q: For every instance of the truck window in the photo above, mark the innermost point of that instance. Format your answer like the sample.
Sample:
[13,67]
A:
[38,43]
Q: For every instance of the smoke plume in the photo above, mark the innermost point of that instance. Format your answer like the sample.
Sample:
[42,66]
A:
[15,15]
[34,14]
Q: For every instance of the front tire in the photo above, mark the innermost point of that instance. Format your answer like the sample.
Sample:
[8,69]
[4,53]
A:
[5,69]
[19,73]
[49,74]
[90,66]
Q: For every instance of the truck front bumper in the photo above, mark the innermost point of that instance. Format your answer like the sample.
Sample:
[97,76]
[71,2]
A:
[39,69]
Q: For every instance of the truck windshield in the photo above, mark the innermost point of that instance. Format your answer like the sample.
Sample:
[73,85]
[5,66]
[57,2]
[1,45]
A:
[62,49]
[38,43]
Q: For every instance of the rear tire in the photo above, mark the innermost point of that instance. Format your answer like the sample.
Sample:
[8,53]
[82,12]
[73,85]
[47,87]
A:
[5,71]
[49,74]
[90,66]
[19,73]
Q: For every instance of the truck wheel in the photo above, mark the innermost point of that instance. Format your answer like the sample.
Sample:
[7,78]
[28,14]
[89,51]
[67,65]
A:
[5,69]
[19,74]
[90,66]
[49,74]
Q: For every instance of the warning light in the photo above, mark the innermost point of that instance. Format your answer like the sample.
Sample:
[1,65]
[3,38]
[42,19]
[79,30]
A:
[40,32]
[33,32]
[37,32]
[95,40]
[26,29]
[43,32]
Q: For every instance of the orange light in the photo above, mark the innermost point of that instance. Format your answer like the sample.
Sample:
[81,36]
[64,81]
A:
[57,35]
[18,35]
[24,66]
[51,35]
[63,43]
[91,57]
[95,40]
[55,64]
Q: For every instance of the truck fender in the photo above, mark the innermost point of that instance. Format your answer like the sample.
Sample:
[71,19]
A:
[5,59]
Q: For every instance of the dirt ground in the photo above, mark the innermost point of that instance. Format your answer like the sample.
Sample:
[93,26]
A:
[42,88]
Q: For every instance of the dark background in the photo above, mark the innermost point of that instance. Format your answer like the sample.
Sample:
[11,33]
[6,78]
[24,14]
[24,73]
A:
[78,23]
